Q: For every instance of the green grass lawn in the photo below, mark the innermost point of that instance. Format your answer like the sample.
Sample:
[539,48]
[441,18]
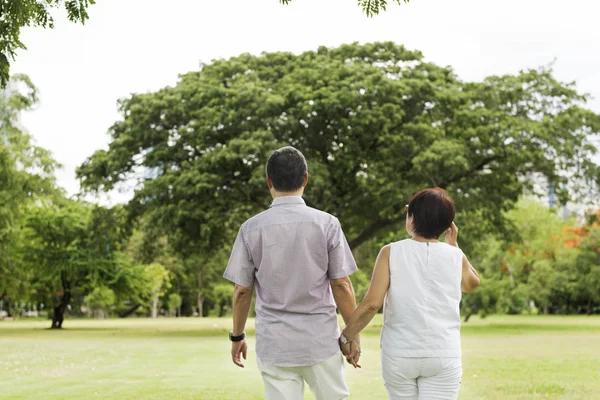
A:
[504,358]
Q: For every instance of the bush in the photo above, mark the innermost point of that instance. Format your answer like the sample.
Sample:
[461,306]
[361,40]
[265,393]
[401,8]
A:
[174,302]
[223,296]
[100,301]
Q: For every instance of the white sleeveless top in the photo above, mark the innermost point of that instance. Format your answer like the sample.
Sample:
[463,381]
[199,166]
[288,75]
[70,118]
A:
[421,310]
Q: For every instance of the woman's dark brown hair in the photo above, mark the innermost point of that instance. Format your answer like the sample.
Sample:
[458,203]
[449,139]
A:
[432,211]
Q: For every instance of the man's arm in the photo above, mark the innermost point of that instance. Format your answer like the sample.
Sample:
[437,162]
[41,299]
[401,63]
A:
[242,298]
[240,270]
[343,294]
[345,299]
[341,265]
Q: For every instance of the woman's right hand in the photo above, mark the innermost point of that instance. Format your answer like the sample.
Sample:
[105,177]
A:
[452,235]
[352,352]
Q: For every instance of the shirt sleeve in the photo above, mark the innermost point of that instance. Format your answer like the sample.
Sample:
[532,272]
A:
[240,269]
[341,260]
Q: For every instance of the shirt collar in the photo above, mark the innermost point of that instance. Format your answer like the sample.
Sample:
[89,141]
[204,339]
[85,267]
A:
[279,201]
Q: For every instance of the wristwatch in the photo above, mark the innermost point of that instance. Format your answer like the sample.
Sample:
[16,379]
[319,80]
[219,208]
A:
[237,338]
[343,339]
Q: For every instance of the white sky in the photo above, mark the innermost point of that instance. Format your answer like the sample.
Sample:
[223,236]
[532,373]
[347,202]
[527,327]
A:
[132,46]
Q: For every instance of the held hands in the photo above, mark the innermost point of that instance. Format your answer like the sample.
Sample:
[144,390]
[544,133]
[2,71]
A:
[452,235]
[352,352]
[237,349]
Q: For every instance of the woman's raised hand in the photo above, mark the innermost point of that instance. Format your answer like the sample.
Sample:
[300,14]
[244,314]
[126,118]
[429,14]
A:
[452,235]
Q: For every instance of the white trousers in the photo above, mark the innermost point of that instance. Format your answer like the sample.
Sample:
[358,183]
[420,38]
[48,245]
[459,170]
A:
[421,378]
[325,379]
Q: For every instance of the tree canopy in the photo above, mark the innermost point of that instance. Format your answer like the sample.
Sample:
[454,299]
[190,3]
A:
[376,123]
[15,15]
[553,266]
[26,176]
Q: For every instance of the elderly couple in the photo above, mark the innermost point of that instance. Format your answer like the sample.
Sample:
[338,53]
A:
[299,261]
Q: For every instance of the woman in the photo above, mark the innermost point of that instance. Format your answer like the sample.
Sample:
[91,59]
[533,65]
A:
[421,280]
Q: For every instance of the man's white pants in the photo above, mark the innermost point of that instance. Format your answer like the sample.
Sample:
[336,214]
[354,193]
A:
[325,379]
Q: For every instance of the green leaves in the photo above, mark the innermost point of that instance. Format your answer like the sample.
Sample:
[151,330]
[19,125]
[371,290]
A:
[72,246]
[15,15]
[26,176]
[369,7]
[550,266]
[375,122]
[374,7]
[77,9]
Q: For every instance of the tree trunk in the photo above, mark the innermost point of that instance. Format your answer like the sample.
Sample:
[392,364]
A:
[546,310]
[60,310]
[9,308]
[130,311]
[155,307]
[590,308]
[467,317]
[2,297]
[200,295]
[200,305]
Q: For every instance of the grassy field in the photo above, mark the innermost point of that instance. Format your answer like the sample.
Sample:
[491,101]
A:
[504,358]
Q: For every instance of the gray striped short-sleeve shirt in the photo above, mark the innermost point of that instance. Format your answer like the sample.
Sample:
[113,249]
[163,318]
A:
[289,253]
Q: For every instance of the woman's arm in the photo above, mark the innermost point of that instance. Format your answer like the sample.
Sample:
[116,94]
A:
[368,307]
[470,278]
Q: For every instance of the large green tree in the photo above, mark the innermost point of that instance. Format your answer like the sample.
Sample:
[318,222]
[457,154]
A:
[73,247]
[376,123]
[587,285]
[26,176]
[16,14]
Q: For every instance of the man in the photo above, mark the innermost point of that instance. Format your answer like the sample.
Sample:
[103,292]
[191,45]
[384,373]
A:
[299,261]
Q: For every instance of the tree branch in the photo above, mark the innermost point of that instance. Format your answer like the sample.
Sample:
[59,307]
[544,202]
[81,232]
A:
[470,172]
[370,231]
[380,224]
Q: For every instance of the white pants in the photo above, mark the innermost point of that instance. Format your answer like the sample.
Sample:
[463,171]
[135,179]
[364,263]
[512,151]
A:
[421,378]
[325,379]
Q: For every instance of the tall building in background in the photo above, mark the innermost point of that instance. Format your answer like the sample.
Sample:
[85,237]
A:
[546,194]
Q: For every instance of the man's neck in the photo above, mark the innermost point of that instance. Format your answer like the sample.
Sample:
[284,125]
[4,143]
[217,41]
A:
[277,194]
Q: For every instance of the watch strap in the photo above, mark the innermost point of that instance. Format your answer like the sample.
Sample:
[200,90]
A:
[237,338]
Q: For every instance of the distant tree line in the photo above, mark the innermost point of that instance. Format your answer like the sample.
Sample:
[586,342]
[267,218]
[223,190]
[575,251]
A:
[376,122]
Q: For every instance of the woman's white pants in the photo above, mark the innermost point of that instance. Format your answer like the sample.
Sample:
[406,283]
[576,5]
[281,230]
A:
[421,378]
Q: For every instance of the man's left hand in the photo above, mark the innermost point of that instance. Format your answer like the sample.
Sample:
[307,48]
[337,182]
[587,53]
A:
[239,349]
